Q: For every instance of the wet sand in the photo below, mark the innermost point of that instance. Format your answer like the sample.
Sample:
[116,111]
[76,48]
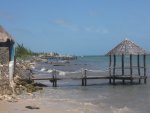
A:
[53,106]
[20,107]
[38,105]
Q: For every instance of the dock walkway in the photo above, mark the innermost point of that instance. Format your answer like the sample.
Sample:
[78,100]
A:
[54,78]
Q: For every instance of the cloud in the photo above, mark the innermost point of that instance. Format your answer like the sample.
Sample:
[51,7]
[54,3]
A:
[103,31]
[61,22]
[88,29]
[66,24]
[74,27]
[96,30]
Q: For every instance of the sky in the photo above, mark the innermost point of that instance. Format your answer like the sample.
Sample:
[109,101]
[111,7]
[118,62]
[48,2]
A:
[76,27]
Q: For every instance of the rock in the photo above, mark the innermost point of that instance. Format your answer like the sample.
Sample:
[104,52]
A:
[32,107]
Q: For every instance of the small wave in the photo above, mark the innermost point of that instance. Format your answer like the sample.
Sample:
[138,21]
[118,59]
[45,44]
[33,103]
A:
[43,69]
[62,73]
[50,71]
[121,110]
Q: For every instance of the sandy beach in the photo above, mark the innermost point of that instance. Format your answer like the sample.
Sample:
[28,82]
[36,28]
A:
[24,106]
[35,103]
[39,106]
[21,107]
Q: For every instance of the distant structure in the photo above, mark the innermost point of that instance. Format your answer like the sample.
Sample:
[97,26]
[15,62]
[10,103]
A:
[6,54]
[123,67]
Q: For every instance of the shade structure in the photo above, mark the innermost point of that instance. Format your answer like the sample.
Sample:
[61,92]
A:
[117,57]
[127,47]
[4,36]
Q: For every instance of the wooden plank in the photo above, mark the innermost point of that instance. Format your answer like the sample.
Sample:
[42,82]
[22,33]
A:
[93,77]
[46,79]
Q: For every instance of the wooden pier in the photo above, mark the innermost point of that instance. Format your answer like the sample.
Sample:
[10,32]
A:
[84,80]
[54,78]
[126,50]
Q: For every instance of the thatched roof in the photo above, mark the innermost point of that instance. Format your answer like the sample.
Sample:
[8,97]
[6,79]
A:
[127,47]
[4,36]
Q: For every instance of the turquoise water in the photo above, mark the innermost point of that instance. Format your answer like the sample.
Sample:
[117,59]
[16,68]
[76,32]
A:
[98,96]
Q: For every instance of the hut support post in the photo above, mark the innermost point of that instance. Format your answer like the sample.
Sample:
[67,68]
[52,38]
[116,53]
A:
[110,69]
[131,70]
[138,63]
[144,58]
[123,68]
[114,70]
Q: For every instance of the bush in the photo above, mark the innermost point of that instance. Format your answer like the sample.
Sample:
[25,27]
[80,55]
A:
[23,52]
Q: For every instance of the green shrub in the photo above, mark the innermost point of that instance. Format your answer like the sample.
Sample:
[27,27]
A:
[23,52]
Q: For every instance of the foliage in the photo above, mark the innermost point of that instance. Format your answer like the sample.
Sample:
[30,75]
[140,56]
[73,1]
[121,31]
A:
[23,52]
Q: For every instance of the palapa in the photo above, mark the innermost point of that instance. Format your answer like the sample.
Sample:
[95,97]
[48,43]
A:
[127,47]
[4,36]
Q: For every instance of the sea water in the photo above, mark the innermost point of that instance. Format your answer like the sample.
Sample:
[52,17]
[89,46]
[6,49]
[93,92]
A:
[98,96]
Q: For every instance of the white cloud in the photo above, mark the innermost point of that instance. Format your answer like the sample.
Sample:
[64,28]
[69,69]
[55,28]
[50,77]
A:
[66,24]
[103,31]
[74,27]
[61,22]
[96,30]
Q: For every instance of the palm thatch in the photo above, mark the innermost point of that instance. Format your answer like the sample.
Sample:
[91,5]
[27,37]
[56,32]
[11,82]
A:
[127,47]
[4,36]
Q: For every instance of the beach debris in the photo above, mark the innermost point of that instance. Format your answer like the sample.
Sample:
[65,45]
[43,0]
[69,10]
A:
[8,98]
[32,107]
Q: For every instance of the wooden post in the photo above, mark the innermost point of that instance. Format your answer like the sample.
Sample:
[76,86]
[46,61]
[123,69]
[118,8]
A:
[114,69]
[85,80]
[110,69]
[131,71]
[53,78]
[123,68]
[138,63]
[144,58]
[82,81]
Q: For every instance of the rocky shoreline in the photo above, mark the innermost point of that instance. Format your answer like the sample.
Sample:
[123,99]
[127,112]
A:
[22,81]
